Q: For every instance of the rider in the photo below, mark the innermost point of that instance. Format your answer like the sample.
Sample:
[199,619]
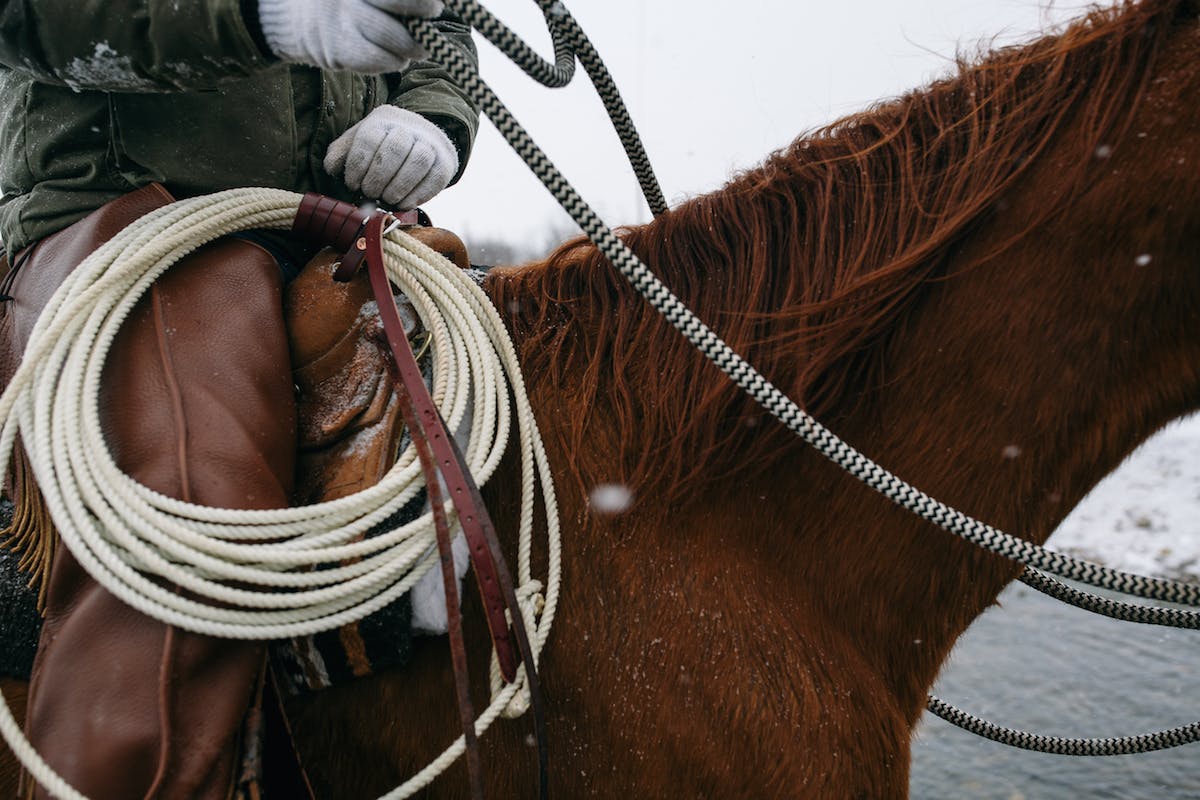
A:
[107,110]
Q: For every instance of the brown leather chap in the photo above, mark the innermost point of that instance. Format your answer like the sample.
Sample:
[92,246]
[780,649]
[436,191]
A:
[196,403]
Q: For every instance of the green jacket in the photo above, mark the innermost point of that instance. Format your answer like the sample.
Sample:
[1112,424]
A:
[100,98]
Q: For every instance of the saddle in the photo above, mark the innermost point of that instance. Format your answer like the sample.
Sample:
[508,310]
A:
[349,432]
[349,425]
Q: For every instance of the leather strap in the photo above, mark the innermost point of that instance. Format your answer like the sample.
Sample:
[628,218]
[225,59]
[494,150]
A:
[438,452]
[458,651]
[339,225]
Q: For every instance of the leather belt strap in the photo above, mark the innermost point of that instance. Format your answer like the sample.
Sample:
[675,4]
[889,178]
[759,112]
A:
[343,226]
[321,217]
[458,652]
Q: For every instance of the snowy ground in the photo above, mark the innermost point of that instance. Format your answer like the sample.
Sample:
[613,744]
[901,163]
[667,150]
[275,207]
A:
[1145,517]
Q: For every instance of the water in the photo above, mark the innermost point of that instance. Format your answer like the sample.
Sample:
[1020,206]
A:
[1045,667]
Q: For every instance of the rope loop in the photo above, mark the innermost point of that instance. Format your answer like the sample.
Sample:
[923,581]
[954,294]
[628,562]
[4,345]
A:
[570,42]
[532,603]
[1063,745]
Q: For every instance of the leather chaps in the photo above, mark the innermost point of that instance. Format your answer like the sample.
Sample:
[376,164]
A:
[198,404]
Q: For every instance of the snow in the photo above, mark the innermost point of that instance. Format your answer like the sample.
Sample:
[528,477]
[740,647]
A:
[1145,516]
[105,68]
[611,499]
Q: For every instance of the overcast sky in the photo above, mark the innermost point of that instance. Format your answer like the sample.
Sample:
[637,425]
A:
[712,86]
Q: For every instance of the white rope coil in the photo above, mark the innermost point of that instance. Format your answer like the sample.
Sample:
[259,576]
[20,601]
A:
[297,571]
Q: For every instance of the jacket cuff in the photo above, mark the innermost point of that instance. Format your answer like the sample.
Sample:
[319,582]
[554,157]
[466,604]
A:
[459,136]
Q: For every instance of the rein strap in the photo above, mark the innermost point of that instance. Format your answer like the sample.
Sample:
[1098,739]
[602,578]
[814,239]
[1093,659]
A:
[360,235]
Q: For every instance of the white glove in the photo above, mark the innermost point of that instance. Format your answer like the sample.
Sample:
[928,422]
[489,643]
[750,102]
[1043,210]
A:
[347,35]
[395,156]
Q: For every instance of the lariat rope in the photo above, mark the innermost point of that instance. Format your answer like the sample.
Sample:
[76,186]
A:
[1064,746]
[569,38]
[264,574]
[565,34]
[734,366]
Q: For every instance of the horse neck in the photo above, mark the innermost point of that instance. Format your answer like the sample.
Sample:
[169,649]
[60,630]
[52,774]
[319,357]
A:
[1020,381]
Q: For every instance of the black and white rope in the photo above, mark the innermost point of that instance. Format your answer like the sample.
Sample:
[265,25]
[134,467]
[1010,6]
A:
[1126,612]
[617,112]
[570,42]
[565,30]
[1107,746]
[1066,746]
[743,374]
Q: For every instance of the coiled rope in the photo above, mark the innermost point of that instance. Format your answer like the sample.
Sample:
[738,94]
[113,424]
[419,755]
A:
[277,573]
[565,33]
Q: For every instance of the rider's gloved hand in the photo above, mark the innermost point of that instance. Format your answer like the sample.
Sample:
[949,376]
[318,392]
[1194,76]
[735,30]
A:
[351,35]
[394,155]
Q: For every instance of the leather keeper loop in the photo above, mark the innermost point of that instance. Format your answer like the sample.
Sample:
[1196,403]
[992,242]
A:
[340,225]
[325,221]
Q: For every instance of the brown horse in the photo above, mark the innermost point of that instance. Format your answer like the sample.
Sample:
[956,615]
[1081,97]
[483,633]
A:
[990,286]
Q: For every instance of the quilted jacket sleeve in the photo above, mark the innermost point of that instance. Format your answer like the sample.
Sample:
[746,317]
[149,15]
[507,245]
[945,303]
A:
[426,88]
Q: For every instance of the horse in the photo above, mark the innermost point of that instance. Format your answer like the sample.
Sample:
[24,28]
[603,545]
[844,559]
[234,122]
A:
[988,285]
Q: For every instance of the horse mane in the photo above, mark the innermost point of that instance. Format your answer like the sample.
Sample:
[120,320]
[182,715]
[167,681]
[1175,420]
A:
[805,263]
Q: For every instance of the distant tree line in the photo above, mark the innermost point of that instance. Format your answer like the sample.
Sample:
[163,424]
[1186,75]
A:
[494,251]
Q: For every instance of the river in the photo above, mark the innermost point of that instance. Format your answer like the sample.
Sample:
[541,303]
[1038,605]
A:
[1036,664]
